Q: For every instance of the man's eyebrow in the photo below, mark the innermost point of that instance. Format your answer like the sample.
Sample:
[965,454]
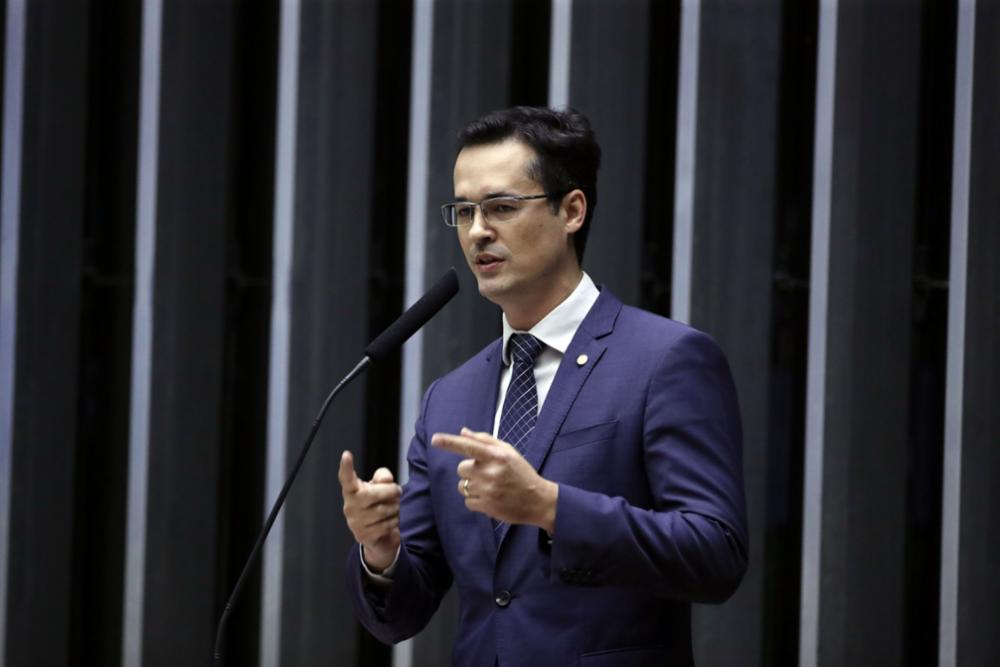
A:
[489,195]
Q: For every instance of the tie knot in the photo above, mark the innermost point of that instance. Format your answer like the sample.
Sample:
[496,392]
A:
[524,348]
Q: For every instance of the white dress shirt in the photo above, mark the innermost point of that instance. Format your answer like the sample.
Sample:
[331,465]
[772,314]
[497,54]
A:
[555,331]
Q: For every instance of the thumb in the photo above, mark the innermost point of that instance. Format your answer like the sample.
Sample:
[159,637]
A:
[382,476]
[348,478]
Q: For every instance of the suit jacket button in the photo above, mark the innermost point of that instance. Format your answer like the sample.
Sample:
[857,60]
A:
[503,598]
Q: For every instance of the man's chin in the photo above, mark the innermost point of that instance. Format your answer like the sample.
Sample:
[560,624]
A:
[492,287]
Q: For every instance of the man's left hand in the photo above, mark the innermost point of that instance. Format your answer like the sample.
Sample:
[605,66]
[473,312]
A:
[496,480]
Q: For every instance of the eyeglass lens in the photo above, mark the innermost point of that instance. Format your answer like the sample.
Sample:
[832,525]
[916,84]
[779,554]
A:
[497,209]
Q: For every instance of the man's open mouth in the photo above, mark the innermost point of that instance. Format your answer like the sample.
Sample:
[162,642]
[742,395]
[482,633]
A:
[486,260]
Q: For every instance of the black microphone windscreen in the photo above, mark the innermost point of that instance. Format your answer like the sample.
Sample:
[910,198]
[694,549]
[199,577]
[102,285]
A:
[415,316]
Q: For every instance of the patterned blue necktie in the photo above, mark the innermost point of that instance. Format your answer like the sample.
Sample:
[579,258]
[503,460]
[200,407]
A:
[520,406]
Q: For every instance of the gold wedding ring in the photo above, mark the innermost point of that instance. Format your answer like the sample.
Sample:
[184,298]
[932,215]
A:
[465,487]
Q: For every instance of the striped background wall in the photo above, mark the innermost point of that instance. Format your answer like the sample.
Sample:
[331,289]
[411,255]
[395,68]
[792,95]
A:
[208,208]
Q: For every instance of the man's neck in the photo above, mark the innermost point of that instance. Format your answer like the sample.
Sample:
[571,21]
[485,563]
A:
[523,316]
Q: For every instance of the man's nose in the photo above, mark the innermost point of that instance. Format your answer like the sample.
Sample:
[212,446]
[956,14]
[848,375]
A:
[479,227]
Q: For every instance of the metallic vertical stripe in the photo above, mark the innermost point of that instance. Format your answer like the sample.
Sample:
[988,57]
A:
[421,63]
[687,130]
[951,514]
[281,306]
[10,234]
[416,213]
[559,52]
[142,333]
[812,510]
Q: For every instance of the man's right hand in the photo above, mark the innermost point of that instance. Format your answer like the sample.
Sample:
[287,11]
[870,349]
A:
[372,512]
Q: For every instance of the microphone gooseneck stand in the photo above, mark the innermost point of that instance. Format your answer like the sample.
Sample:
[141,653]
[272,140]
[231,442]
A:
[255,553]
[395,334]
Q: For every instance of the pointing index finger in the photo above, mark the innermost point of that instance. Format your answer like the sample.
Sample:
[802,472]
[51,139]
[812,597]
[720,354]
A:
[481,436]
[462,445]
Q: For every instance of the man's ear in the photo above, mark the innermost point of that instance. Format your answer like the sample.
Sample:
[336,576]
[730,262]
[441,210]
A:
[574,210]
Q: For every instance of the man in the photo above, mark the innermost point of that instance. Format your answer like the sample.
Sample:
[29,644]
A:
[580,479]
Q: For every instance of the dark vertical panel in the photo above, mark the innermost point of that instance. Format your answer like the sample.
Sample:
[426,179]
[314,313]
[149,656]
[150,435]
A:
[247,316]
[782,548]
[929,330]
[530,22]
[329,319]
[388,198]
[42,493]
[387,249]
[868,333]
[979,533]
[661,110]
[193,199]
[734,219]
[105,333]
[608,82]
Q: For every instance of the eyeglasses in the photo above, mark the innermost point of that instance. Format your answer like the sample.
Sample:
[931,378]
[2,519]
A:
[494,209]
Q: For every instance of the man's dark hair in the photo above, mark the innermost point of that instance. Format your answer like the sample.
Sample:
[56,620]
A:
[568,156]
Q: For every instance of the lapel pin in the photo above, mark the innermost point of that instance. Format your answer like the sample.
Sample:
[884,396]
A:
[581,360]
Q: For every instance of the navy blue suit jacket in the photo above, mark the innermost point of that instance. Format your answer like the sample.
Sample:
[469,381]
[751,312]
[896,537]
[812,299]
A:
[644,440]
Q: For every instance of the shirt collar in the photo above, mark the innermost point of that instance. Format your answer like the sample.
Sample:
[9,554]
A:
[557,328]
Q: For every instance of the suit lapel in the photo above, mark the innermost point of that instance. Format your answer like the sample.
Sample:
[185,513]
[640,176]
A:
[565,387]
[571,376]
[486,406]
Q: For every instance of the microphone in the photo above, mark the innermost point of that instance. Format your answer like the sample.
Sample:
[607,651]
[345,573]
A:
[415,316]
[395,335]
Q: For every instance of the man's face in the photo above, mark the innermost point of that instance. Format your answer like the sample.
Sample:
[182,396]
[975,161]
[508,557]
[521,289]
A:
[525,261]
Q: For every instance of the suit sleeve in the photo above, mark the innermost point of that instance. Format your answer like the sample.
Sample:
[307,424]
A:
[421,577]
[692,543]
